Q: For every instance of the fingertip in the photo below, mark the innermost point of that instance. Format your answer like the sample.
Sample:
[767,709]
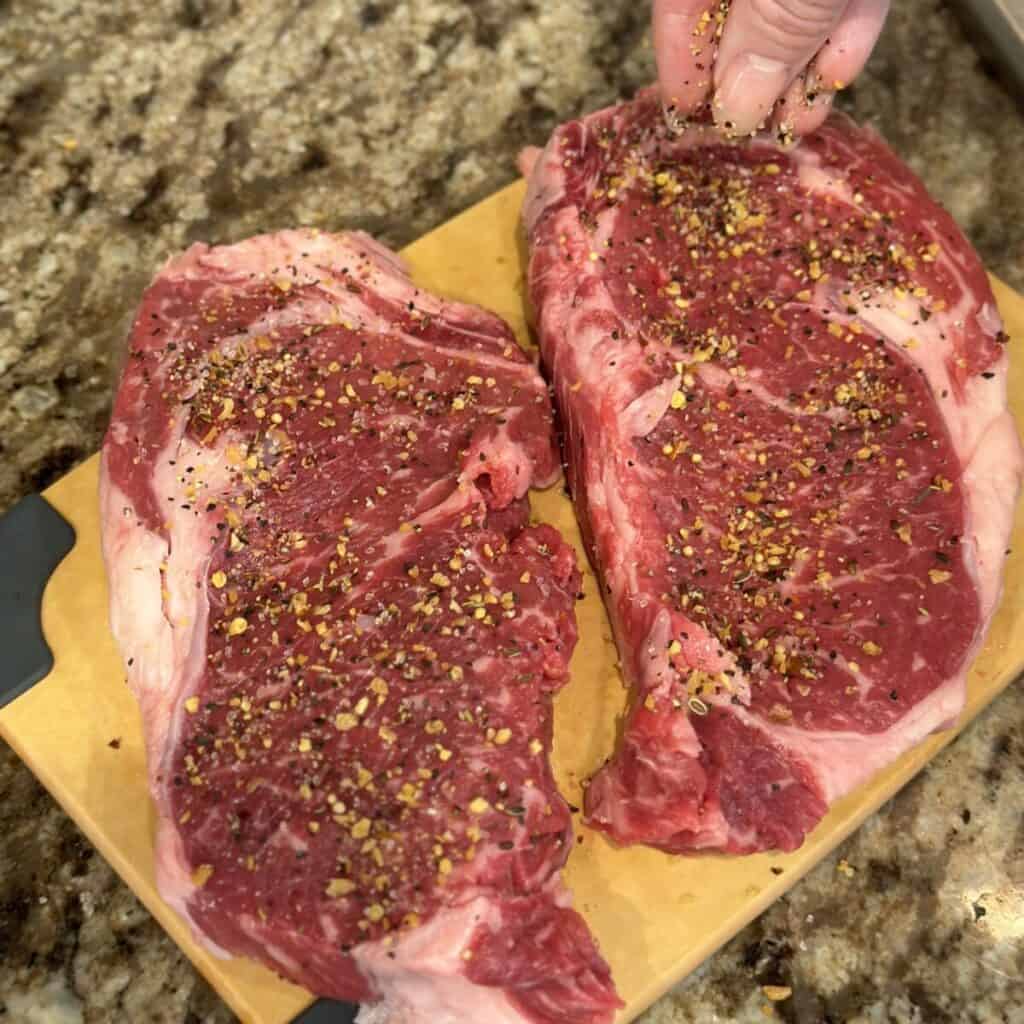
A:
[850,44]
[811,117]
[684,53]
[746,95]
[804,106]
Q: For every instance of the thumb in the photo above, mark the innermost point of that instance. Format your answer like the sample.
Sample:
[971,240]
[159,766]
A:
[765,45]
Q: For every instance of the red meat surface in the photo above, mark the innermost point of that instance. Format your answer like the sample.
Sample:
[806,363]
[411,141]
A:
[343,633]
[782,378]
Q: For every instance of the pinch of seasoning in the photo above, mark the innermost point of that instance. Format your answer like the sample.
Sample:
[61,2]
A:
[304,745]
[870,647]
[939,575]
[237,626]
[374,912]
[478,805]
[536,746]
[776,993]
[219,579]
[339,887]
[678,400]
[361,829]
[192,705]
[502,736]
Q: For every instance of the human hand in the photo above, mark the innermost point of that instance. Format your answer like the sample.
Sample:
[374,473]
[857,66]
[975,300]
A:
[762,62]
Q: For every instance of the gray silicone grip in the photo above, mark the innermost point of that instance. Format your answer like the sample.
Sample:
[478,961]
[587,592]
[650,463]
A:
[328,1011]
[34,538]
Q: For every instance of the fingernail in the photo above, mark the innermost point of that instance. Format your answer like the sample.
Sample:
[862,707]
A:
[822,98]
[817,111]
[749,87]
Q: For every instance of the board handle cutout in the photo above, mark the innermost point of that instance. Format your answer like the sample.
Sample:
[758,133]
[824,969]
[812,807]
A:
[34,538]
[328,1011]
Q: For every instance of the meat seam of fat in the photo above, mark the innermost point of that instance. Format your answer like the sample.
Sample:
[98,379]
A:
[420,976]
[163,646]
[304,254]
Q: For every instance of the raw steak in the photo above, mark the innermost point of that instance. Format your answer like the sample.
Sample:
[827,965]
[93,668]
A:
[343,634]
[783,382]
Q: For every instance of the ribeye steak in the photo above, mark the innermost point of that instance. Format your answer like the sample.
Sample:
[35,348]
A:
[343,634]
[783,382]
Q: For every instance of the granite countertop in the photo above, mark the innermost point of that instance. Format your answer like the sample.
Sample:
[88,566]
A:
[129,130]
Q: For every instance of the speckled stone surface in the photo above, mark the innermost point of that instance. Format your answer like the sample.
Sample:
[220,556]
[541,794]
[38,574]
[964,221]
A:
[128,130]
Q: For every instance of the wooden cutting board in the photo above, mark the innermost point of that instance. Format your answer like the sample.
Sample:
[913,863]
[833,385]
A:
[656,917]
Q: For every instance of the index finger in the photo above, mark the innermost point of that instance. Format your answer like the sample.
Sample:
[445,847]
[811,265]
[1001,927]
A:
[686,34]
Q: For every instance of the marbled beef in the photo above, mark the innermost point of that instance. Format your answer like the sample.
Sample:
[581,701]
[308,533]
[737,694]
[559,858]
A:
[343,634]
[783,382]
